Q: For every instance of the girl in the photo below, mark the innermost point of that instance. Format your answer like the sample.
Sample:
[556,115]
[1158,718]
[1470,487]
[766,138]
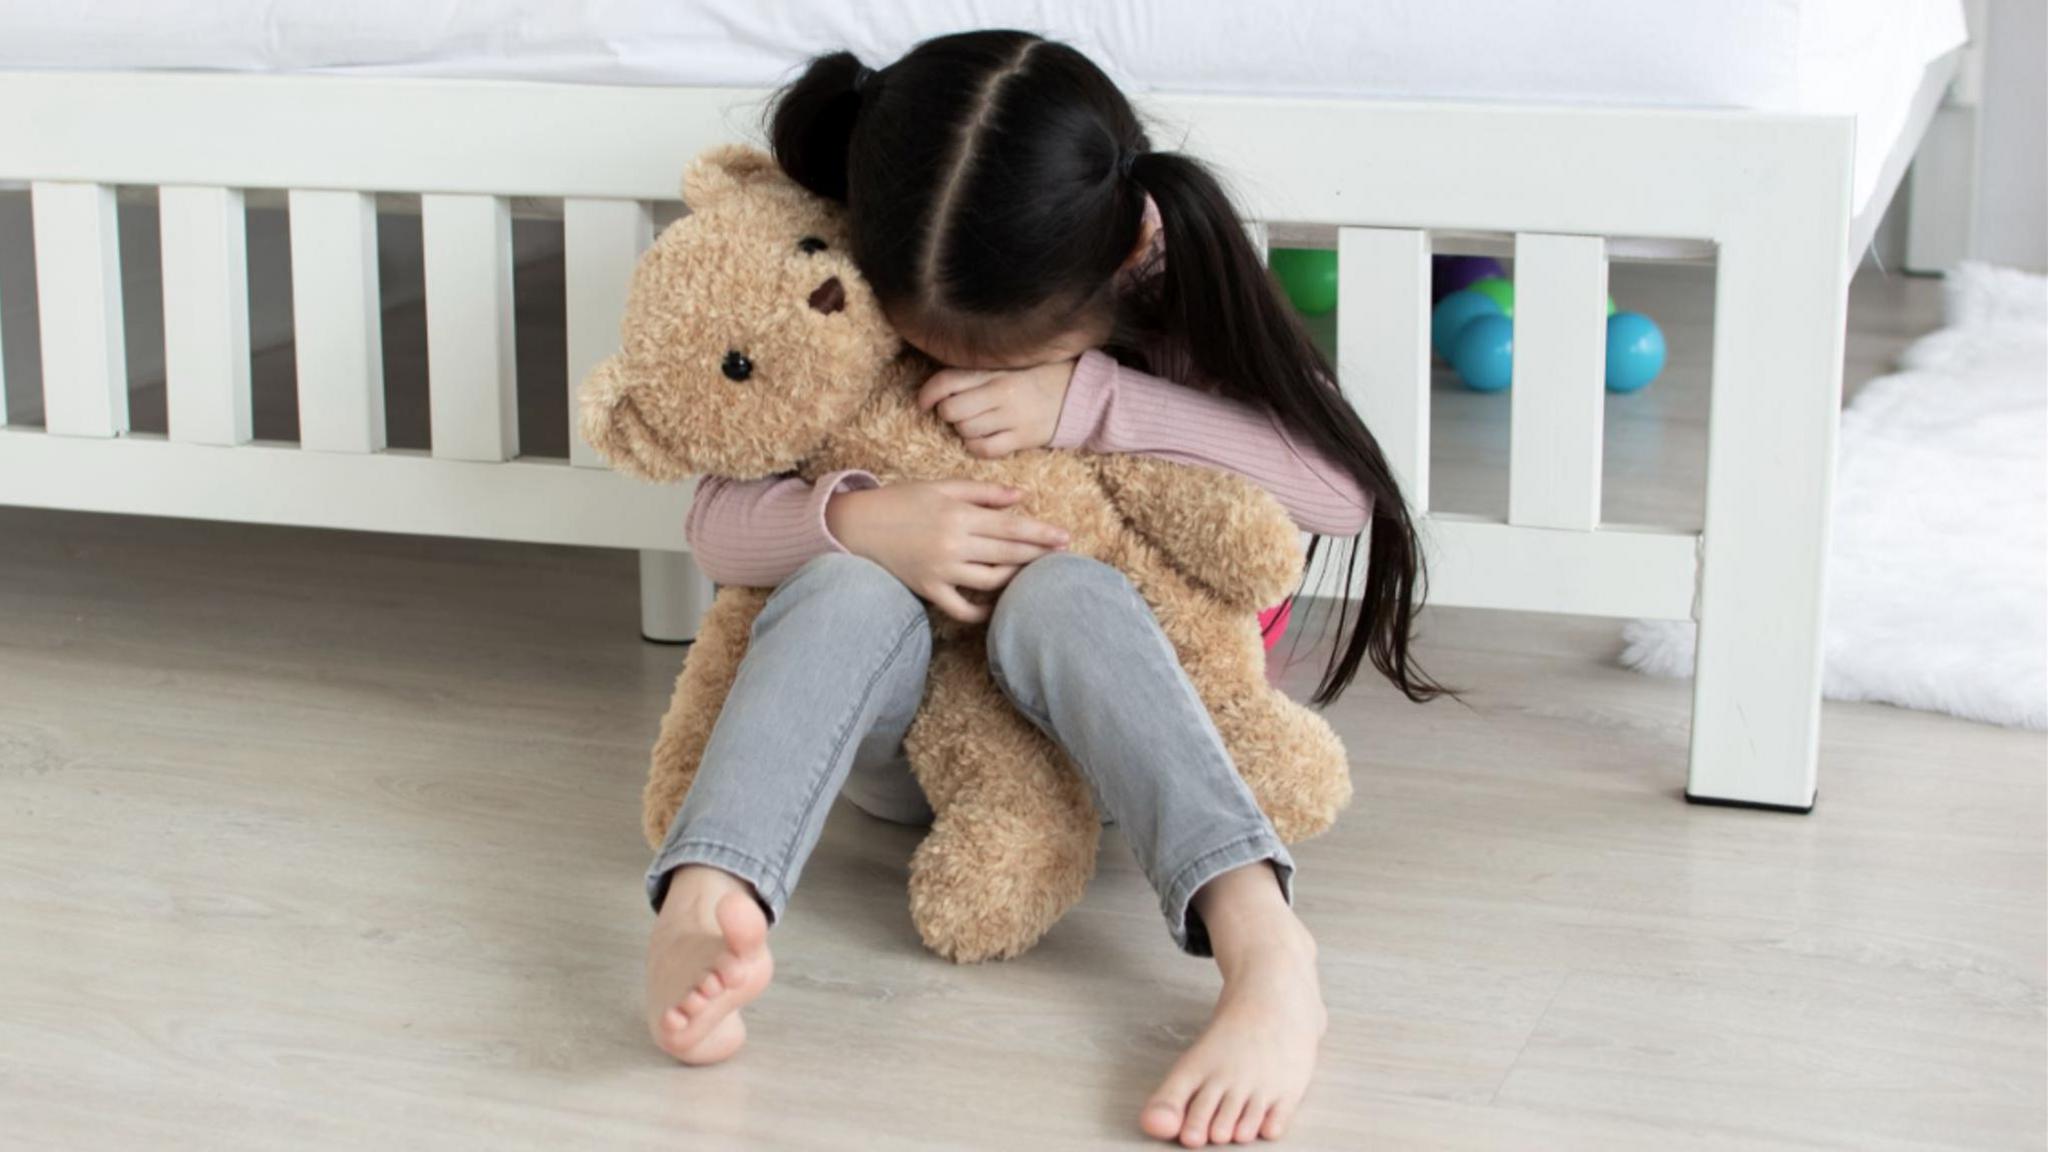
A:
[1012,217]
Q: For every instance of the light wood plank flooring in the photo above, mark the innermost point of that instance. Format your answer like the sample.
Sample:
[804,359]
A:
[323,840]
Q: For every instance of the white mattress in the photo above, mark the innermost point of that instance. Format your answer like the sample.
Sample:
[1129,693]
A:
[1861,58]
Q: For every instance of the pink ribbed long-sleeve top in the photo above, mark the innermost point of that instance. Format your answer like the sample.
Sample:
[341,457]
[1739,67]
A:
[756,533]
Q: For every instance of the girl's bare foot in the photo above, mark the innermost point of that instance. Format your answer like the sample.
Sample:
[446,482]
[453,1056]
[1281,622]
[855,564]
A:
[707,959]
[1246,1074]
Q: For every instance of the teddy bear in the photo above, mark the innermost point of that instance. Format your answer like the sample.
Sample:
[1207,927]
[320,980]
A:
[751,347]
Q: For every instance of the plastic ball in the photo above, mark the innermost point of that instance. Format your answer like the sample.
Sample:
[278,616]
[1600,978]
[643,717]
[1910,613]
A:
[1485,354]
[1610,305]
[1635,351]
[1308,276]
[1448,274]
[1498,290]
[1452,314]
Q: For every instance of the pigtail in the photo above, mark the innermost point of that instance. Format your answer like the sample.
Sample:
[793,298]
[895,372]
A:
[811,129]
[1214,297]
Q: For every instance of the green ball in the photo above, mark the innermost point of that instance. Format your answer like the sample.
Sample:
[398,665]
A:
[1308,276]
[1610,305]
[1501,292]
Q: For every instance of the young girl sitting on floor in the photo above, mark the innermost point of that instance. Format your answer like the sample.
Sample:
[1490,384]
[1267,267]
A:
[1086,292]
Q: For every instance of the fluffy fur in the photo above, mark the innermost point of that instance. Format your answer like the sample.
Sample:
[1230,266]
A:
[1013,841]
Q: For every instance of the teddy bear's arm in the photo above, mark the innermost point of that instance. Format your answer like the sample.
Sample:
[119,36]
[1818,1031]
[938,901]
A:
[1219,529]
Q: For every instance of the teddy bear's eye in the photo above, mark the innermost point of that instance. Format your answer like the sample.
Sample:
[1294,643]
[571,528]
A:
[736,365]
[811,245]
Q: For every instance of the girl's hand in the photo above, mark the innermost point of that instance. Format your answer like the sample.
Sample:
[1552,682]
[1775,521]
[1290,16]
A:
[1000,412]
[942,536]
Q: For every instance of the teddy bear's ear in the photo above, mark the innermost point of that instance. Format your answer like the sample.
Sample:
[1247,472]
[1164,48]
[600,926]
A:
[724,170]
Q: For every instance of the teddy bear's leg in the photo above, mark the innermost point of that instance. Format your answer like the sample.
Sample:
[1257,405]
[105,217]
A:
[1013,842]
[701,689]
[1288,755]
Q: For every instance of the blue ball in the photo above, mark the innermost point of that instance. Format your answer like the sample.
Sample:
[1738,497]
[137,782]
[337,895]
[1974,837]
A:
[1450,316]
[1635,351]
[1485,353]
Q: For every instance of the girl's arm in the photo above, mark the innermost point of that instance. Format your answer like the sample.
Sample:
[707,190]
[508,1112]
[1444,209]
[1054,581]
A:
[756,533]
[938,537]
[1111,408]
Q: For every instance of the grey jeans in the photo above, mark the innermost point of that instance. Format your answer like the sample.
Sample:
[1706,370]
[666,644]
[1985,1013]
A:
[835,671]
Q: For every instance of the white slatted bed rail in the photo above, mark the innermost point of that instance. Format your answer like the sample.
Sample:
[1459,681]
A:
[332,147]
[1769,196]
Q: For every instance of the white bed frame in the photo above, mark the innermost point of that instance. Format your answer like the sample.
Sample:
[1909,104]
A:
[1767,196]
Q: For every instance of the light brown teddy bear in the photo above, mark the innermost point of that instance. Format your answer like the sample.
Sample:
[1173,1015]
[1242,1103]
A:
[752,349]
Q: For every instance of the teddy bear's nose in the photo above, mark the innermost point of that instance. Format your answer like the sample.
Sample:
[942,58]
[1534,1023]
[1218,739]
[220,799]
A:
[829,297]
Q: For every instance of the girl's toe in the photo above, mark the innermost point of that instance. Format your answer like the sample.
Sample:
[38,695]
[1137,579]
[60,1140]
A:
[1254,1118]
[1194,1132]
[669,1031]
[1160,1120]
[1223,1129]
[1275,1125]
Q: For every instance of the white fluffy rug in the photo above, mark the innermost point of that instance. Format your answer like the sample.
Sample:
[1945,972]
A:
[1938,586]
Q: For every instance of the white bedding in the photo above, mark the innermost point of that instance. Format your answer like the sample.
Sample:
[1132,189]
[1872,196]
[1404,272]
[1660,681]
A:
[1861,58]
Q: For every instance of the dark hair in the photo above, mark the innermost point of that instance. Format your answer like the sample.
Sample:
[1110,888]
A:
[996,182]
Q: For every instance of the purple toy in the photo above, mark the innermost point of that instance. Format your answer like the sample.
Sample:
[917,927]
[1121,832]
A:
[1448,274]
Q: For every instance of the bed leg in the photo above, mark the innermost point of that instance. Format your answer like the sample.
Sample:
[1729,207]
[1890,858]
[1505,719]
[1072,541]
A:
[1782,308]
[673,596]
[1757,680]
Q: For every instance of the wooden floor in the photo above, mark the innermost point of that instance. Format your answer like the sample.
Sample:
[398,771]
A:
[318,840]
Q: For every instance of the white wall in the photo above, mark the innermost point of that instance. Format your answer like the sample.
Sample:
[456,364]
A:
[2012,177]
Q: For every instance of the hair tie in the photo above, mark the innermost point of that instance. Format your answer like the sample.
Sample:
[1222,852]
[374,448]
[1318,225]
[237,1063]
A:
[1125,161]
[861,76]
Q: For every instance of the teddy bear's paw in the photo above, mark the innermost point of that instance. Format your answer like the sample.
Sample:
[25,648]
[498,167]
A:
[1299,773]
[976,899]
[1219,530]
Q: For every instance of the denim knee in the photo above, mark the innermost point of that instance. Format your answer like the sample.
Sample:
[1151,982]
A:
[1055,599]
[847,591]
